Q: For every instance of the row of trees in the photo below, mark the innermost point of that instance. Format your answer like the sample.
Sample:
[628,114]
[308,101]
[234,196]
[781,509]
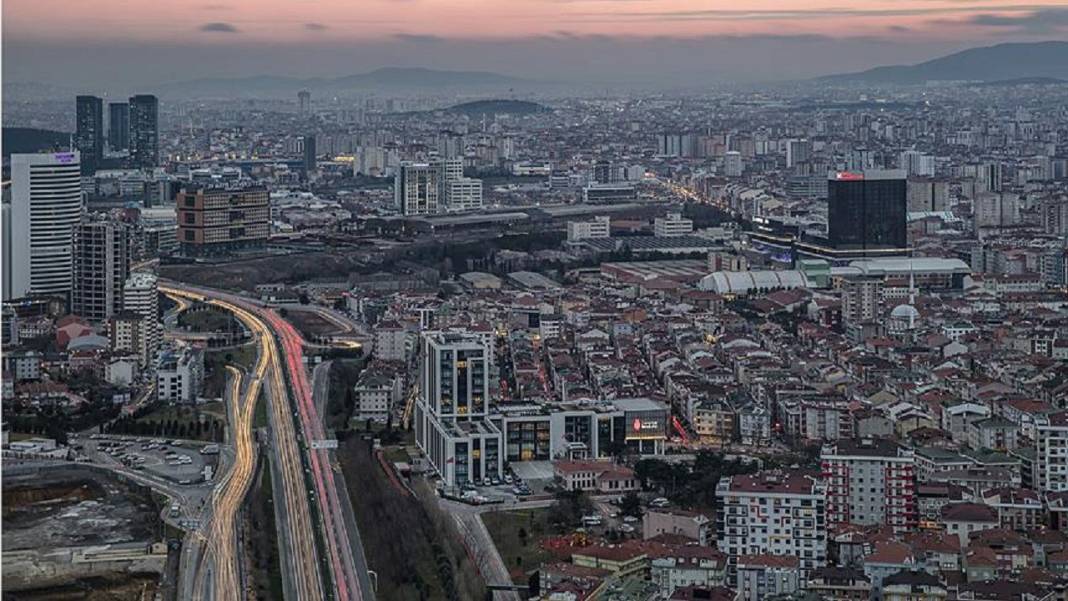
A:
[203,429]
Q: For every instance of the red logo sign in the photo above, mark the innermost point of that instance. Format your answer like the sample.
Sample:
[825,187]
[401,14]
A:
[637,425]
[848,176]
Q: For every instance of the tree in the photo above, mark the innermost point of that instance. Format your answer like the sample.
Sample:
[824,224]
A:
[631,505]
[303,298]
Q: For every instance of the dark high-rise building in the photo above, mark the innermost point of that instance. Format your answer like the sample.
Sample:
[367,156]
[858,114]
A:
[89,138]
[309,155]
[867,210]
[144,131]
[119,126]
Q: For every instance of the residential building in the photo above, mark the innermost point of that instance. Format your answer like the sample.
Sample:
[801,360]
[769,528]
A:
[101,266]
[862,299]
[687,566]
[140,296]
[214,221]
[773,513]
[913,586]
[762,576]
[128,332]
[46,206]
[962,519]
[691,524]
[377,392]
[1051,444]
[392,342]
[180,374]
[835,583]
[870,482]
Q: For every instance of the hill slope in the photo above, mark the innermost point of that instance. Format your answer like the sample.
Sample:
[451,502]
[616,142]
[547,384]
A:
[492,107]
[27,139]
[390,77]
[988,63]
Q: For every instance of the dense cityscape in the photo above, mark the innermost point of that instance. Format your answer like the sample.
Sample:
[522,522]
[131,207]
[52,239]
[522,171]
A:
[459,335]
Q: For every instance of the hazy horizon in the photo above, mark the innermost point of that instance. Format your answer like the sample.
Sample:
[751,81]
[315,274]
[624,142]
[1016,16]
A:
[670,42]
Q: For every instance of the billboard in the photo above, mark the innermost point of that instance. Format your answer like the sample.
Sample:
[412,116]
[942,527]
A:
[646,425]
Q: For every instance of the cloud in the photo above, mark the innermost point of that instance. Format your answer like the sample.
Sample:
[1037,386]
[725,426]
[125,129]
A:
[219,27]
[315,27]
[1042,21]
[417,37]
[785,14]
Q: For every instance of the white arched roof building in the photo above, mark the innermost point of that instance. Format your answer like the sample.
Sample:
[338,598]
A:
[740,283]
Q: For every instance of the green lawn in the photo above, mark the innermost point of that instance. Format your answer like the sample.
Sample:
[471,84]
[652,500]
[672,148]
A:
[518,554]
[215,363]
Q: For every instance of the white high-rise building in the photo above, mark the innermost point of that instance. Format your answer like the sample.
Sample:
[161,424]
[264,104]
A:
[416,189]
[46,205]
[772,513]
[463,194]
[732,164]
[140,295]
[451,425]
[1051,445]
[914,162]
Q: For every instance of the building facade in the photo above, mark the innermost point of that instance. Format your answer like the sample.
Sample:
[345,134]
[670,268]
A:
[101,266]
[46,206]
[89,134]
[870,482]
[213,221]
[144,131]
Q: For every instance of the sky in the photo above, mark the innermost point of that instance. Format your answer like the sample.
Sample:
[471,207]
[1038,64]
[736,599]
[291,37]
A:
[139,42]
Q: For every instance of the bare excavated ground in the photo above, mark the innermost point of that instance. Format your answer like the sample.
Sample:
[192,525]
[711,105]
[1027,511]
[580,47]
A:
[72,507]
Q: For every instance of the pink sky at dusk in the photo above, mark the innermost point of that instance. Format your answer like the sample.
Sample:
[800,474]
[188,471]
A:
[295,21]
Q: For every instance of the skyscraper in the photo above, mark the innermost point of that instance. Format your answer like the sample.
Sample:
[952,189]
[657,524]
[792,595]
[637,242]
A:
[89,137]
[144,131]
[309,154]
[46,205]
[119,126]
[214,221]
[417,188]
[867,210]
[304,98]
[101,266]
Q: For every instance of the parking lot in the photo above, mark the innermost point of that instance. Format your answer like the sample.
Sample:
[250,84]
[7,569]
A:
[181,462]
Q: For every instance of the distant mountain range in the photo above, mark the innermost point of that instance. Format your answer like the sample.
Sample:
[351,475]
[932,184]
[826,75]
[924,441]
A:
[390,77]
[1003,62]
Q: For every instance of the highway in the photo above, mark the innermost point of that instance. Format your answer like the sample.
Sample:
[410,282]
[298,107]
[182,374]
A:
[286,365]
[300,571]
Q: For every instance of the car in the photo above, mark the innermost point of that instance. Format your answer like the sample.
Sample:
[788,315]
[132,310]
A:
[485,482]
[495,481]
[659,502]
[629,519]
[626,528]
[507,478]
